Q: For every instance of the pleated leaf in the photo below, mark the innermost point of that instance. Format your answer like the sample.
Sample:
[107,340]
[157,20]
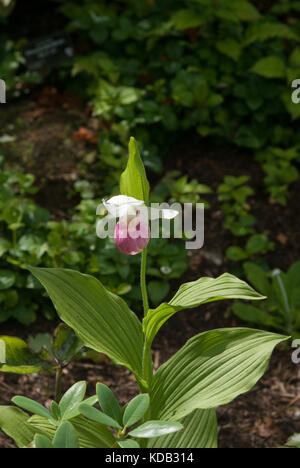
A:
[200,430]
[90,434]
[195,293]
[13,423]
[101,319]
[212,369]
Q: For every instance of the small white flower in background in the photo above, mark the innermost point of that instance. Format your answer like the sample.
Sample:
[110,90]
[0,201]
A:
[132,232]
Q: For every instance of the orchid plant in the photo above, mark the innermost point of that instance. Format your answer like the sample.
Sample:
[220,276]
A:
[176,405]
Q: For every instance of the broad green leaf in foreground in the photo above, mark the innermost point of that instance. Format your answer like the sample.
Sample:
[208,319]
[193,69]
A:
[195,293]
[19,359]
[200,430]
[90,434]
[133,182]
[101,319]
[212,369]
[13,423]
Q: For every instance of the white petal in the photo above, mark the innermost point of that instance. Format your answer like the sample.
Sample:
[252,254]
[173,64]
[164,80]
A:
[120,200]
[169,214]
[156,213]
[120,204]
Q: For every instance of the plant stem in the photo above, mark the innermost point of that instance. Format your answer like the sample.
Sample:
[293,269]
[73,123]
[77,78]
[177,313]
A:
[143,281]
[14,236]
[146,359]
[58,384]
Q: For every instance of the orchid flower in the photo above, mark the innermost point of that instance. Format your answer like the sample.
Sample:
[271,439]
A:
[132,232]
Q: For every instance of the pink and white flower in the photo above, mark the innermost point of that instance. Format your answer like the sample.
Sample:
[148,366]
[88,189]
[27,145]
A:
[132,232]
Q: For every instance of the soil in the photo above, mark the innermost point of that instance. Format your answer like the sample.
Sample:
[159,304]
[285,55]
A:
[264,417]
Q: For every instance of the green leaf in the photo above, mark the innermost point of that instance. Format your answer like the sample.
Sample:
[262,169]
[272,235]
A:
[42,442]
[71,399]
[200,430]
[244,10]
[258,277]
[155,429]
[251,314]
[257,243]
[186,19]
[40,341]
[157,291]
[270,67]
[133,182]
[236,254]
[66,437]
[265,30]
[95,415]
[101,319]
[66,344]
[196,293]
[13,423]
[212,369]
[55,411]
[32,406]
[292,108]
[129,443]
[230,47]
[294,60]
[109,403]
[19,359]
[136,409]
[294,441]
[2,352]
[7,279]
[4,246]
[293,284]
[206,290]
[90,434]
